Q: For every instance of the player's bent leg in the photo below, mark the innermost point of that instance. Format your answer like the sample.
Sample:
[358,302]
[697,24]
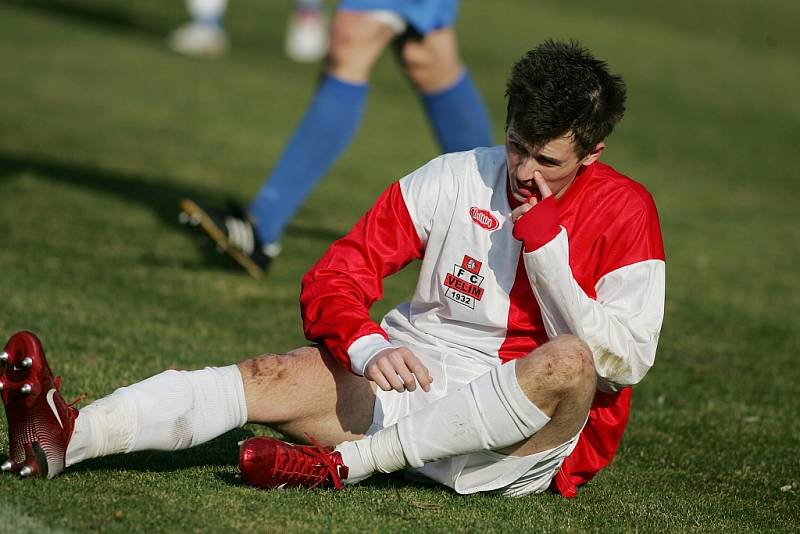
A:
[560,378]
[502,412]
[357,41]
[308,393]
[507,410]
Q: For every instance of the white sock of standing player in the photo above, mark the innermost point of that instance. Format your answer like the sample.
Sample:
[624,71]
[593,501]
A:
[489,413]
[169,411]
[207,11]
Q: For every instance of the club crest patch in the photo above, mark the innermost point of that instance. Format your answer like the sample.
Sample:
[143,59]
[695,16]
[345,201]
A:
[464,283]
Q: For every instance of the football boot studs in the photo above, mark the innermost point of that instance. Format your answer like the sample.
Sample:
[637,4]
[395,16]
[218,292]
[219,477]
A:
[40,422]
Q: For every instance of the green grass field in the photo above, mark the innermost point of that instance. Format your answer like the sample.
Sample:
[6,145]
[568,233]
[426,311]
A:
[102,130]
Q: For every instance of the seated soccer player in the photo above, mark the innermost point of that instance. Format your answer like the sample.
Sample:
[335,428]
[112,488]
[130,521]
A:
[423,35]
[539,302]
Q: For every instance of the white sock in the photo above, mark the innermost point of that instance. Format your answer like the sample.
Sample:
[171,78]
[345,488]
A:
[491,412]
[207,10]
[360,456]
[169,411]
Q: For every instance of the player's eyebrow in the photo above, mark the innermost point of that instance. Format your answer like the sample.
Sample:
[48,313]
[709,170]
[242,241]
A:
[516,139]
[547,160]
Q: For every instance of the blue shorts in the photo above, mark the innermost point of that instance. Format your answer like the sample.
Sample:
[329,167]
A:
[424,16]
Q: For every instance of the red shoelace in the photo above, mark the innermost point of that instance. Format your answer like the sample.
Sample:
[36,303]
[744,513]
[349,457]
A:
[309,465]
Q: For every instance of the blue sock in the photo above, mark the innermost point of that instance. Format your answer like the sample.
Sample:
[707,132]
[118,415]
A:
[329,124]
[458,116]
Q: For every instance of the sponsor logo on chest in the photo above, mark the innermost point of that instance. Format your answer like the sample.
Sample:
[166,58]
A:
[484,218]
[464,283]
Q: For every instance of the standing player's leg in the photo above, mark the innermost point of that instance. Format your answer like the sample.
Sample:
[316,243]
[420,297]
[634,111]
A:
[251,236]
[302,393]
[455,109]
[329,124]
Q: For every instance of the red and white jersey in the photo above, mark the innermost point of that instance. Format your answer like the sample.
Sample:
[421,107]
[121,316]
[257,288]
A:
[482,295]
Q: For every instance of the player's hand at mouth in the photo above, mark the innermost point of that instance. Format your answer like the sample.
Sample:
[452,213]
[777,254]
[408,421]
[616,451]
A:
[535,192]
[528,189]
[398,369]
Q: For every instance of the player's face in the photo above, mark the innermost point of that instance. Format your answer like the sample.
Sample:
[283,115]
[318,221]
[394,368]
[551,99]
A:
[557,162]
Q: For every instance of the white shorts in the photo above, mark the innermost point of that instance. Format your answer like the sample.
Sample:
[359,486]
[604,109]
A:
[485,471]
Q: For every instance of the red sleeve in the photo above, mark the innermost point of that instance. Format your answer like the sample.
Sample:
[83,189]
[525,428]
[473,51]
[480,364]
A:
[340,288]
[633,235]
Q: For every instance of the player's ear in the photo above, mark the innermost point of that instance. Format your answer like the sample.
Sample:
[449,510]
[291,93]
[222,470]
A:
[594,155]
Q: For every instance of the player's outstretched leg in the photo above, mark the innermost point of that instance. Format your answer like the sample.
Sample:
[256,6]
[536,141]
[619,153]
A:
[169,411]
[40,422]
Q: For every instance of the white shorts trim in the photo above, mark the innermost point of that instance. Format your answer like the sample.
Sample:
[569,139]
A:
[397,23]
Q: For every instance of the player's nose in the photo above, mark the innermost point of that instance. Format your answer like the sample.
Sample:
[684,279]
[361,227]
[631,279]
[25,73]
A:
[526,169]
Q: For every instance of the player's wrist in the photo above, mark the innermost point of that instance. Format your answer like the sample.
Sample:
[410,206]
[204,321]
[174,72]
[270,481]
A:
[364,350]
[538,226]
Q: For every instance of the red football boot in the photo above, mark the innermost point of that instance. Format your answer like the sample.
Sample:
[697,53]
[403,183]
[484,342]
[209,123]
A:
[272,463]
[40,422]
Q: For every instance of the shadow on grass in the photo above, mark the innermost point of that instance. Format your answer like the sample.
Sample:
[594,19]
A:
[157,193]
[222,451]
[378,482]
[100,14]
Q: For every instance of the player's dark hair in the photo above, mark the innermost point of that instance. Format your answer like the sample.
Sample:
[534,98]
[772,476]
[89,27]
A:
[559,88]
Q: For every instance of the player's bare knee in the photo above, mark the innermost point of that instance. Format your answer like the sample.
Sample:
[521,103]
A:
[345,63]
[265,369]
[430,68]
[562,366]
[417,62]
[575,359]
[356,42]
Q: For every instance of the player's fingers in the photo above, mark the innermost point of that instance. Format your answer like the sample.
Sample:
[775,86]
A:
[519,211]
[407,377]
[423,375]
[387,368]
[418,373]
[374,374]
[544,189]
[402,360]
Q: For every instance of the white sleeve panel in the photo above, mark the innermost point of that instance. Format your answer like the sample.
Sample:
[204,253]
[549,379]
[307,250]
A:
[621,327]
[422,190]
